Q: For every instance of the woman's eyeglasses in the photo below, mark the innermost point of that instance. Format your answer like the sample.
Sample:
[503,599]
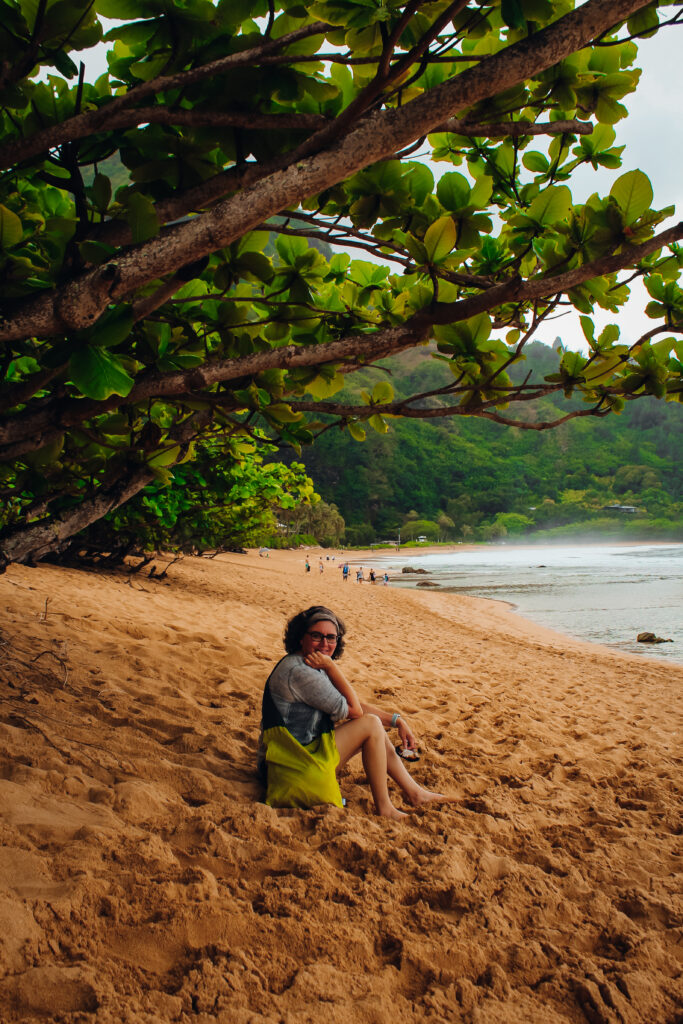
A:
[329,638]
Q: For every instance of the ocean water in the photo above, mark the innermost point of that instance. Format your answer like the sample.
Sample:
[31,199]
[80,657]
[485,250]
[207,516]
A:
[606,594]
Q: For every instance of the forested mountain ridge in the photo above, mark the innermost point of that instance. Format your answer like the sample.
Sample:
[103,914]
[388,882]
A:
[461,478]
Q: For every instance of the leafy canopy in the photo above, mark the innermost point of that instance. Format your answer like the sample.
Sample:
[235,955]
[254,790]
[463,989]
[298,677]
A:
[151,299]
[214,504]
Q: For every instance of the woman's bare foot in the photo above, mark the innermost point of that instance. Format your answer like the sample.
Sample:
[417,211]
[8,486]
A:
[392,812]
[425,796]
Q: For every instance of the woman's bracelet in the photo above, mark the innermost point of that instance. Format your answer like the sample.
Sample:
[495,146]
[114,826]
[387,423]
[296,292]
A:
[394,719]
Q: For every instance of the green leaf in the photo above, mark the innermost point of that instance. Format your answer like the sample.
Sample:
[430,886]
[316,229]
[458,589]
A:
[644,22]
[324,386]
[602,370]
[162,475]
[257,265]
[148,68]
[382,393]
[282,413]
[255,241]
[608,335]
[633,193]
[115,424]
[536,162]
[98,375]
[512,13]
[101,191]
[65,65]
[588,328]
[655,286]
[141,216]
[416,249]
[95,252]
[453,191]
[355,430]
[48,454]
[440,238]
[112,328]
[573,363]
[479,328]
[10,228]
[552,205]
[480,193]
[164,457]
[420,181]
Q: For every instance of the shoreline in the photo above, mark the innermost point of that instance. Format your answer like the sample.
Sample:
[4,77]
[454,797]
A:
[136,858]
[410,581]
[435,549]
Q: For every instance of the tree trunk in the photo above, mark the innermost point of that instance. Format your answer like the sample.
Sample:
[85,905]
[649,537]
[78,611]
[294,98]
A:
[39,539]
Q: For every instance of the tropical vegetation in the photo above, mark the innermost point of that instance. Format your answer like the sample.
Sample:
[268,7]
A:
[216,502]
[144,317]
[466,480]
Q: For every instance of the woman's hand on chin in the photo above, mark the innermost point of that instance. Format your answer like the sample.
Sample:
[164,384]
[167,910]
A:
[317,660]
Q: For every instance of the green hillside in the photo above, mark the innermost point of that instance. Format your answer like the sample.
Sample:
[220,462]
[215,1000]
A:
[465,478]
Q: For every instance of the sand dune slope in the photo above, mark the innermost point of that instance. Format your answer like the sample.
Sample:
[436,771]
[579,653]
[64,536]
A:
[142,881]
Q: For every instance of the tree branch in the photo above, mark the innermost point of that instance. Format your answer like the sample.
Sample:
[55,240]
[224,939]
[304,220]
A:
[80,303]
[26,543]
[16,393]
[388,51]
[31,542]
[17,150]
[498,129]
[542,287]
[344,234]
[83,125]
[117,232]
[544,424]
[13,71]
[384,77]
[151,302]
[482,410]
[34,428]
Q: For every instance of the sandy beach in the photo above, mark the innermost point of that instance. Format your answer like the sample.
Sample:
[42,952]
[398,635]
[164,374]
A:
[142,881]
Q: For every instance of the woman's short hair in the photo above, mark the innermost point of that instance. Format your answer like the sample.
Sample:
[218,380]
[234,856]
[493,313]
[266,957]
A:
[299,624]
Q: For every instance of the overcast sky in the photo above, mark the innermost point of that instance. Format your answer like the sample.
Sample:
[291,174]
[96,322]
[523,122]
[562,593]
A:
[654,143]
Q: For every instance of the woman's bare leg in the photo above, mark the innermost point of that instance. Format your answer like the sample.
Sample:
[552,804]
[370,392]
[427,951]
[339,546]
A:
[367,735]
[415,793]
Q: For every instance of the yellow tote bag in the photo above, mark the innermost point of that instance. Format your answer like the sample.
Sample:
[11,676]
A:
[298,775]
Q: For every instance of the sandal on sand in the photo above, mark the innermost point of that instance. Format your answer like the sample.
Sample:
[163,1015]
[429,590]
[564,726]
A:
[407,754]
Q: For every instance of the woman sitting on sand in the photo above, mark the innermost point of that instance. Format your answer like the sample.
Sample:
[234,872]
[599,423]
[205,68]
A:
[300,748]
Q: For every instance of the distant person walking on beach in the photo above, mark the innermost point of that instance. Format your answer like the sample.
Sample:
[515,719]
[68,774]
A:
[386,578]
[360,578]
[321,567]
[345,572]
[372,576]
[308,566]
[300,748]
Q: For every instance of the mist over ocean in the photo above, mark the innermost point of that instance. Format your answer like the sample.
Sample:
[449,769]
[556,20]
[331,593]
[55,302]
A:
[605,593]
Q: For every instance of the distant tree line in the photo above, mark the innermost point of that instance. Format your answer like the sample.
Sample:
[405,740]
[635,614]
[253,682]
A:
[472,480]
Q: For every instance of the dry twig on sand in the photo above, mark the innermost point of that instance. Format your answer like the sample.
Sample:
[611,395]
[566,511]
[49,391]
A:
[156,576]
[62,662]
[13,660]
